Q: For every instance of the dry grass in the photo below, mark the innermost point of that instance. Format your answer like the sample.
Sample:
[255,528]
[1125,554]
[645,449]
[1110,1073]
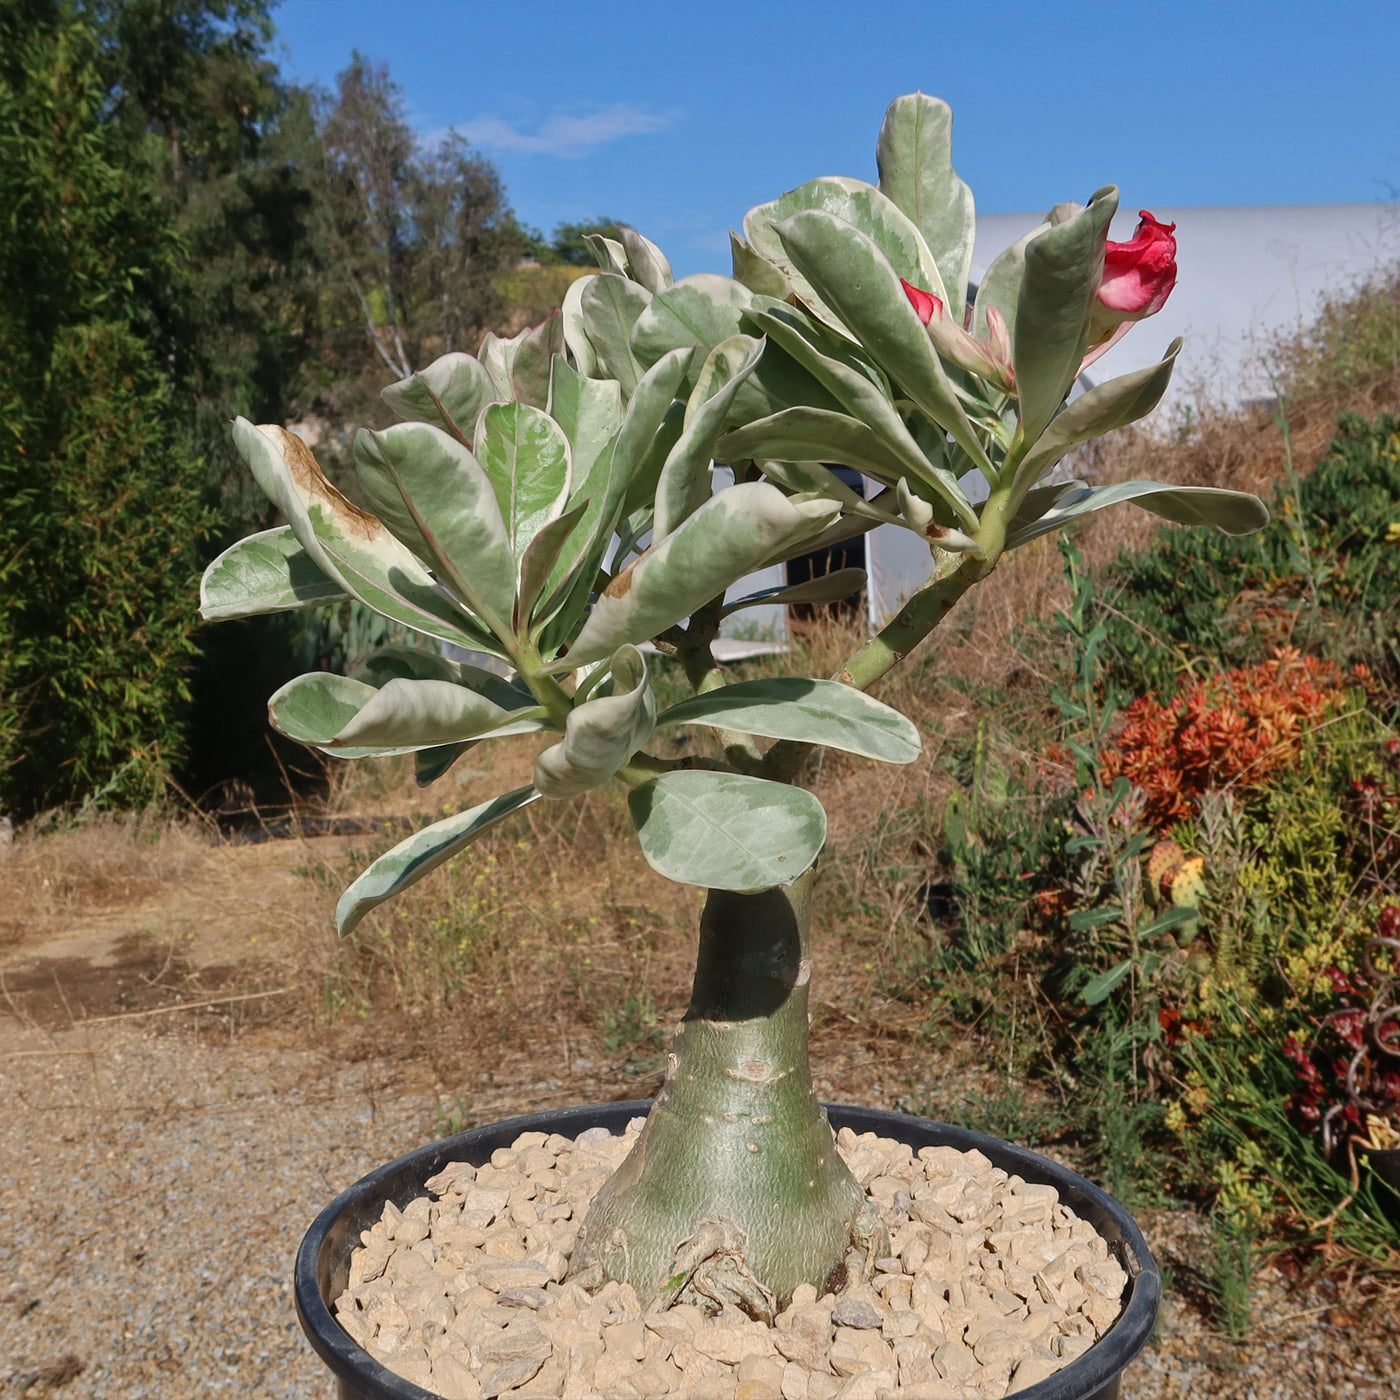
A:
[110,860]
[558,920]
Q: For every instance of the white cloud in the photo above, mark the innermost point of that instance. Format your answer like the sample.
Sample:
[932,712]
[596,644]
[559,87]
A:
[569,137]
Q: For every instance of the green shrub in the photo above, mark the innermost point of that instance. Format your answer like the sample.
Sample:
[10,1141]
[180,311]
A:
[1323,576]
[102,513]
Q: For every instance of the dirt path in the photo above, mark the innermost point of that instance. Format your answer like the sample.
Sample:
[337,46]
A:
[157,1169]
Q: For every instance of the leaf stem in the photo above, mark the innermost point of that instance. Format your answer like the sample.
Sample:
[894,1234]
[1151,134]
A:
[926,608]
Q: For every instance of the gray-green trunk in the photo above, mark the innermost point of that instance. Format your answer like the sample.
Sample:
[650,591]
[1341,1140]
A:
[735,1191]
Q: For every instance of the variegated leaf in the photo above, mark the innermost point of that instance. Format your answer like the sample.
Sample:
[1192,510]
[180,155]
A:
[1063,269]
[423,852]
[1232,512]
[265,573]
[684,484]
[825,588]
[862,206]
[854,276]
[726,831]
[436,496]
[601,734]
[449,394]
[915,159]
[527,457]
[808,711]
[724,540]
[350,546]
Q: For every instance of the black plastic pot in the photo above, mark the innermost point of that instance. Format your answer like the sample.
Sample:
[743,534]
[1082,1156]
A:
[1386,1165]
[323,1261]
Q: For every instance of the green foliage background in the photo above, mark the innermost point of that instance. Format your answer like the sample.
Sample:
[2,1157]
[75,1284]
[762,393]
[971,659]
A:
[103,499]
[1323,576]
[186,236]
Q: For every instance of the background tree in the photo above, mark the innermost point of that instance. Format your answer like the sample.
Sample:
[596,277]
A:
[231,149]
[568,246]
[99,537]
[417,239]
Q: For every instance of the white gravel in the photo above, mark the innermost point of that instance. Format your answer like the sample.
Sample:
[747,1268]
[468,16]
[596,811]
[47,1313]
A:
[154,1187]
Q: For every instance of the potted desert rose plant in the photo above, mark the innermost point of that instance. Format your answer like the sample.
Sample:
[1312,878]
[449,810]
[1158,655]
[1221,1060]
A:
[551,502]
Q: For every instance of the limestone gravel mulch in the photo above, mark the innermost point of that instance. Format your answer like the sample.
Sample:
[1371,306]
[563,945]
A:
[990,1285]
[153,1187]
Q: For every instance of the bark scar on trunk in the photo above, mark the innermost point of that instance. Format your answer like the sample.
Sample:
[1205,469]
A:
[712,1272]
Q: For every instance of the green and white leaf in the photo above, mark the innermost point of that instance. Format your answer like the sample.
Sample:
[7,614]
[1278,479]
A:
[863,207]
[684,484]
[526,455]
[807,711]
[266,573]
[572,579]
[421,853]
[354,719]
[814,478]
[1000,285]
[435,495]
[449,394]
[646,262]
[726,831]
[430,764]
[646,412]
[385,664]
[589,410]
[534,359]
[607,252]
[1099,410]
[1232,512]
[728,537]
[701,310]
[825,588]
[813,435]
[853,275]
[350,546]
[419,714]
[314,708]
[497,356]
[862,399]
[575,334]
[609,306]
[915,158]
[601,734]
[1063,269]
[542,556]
[755,272]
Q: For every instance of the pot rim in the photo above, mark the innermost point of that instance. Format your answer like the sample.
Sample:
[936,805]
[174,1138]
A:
[1087,1376]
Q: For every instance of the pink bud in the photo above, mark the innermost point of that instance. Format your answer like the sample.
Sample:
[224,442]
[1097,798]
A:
[998,337]
[924,303]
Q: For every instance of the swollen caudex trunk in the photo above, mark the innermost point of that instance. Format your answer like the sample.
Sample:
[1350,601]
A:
[734,1193]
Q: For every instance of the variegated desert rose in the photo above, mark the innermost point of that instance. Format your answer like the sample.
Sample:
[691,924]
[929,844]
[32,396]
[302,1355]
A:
[546,524]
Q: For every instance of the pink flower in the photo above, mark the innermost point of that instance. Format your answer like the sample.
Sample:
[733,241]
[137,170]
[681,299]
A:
[1138,277]
[989,358]
[925,303]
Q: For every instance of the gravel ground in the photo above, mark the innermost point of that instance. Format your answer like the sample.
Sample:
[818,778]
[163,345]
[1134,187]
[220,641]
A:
[154,1186]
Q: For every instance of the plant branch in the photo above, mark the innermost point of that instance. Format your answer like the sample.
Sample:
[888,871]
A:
[953,576]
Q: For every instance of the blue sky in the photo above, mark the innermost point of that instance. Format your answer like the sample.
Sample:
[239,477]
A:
[678,118]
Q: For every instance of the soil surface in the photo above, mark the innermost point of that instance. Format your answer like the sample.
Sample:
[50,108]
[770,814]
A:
[174,1116]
